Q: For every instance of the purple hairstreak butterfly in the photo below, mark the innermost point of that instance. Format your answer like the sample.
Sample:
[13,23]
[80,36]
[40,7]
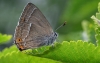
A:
[33,29]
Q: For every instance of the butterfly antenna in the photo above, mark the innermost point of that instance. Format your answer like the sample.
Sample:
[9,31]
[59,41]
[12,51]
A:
[61,25]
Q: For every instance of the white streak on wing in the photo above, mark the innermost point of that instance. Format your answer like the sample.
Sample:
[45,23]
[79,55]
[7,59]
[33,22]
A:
[18,23]
[27,32]
[16,32]
[30,15]
[29,25]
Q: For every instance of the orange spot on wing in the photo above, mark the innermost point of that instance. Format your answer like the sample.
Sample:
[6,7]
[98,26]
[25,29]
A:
[21,47]
[19,44]
[18,40]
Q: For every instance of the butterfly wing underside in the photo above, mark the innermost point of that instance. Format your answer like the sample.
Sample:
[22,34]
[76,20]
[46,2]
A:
[32,29]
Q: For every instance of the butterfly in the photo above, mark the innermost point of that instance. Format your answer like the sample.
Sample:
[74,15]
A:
[33,29]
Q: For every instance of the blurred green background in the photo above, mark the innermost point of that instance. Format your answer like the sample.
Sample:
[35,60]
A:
[77,13]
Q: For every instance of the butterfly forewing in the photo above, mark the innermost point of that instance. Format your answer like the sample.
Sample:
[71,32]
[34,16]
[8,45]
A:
[32,29]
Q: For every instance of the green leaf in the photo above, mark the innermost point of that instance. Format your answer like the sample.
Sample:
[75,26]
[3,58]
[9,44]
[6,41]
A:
[4,38]
[12,55]
[65,52]
[72,52]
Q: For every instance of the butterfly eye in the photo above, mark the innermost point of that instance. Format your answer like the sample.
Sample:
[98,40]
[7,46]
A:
[18,40]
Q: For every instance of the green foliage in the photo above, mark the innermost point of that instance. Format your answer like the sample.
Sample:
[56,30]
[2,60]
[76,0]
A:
[4,38]
[97,25]
[12,55]
[74,12]
[65,52]
[88,32]
[73,52]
